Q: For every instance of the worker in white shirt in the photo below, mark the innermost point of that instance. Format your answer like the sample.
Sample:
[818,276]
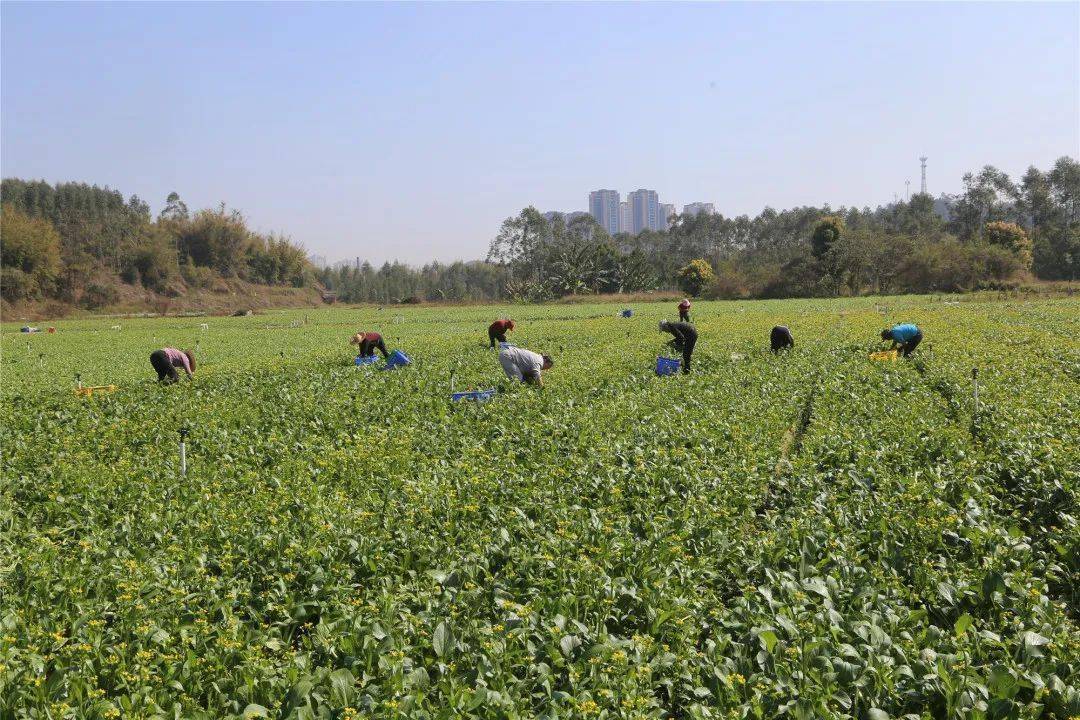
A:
[524,365]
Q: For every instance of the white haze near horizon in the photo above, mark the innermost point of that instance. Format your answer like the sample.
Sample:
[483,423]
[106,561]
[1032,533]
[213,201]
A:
[410,131]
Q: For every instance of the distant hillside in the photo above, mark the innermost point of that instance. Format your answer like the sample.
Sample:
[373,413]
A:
[77,246]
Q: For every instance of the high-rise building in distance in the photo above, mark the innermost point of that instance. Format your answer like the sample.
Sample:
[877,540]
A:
[604,207]
[699,207]
[644,210]
[626,218]
[667,214]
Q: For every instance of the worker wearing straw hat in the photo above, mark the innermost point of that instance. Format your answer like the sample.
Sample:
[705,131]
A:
[684,310]
[368,342]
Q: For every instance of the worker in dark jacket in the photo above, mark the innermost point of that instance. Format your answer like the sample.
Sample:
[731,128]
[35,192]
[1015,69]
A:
[498,329]
[685,338]
[781,338]
[905,336]
[166,360]
[369,342]
[684,311]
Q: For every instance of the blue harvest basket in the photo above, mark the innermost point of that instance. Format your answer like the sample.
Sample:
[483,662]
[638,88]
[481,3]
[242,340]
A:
[667,366]
[474,395]
[369,360]
[627,313]
[397,359]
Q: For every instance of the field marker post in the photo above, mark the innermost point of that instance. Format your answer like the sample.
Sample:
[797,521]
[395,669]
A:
[183,452]
[975,389]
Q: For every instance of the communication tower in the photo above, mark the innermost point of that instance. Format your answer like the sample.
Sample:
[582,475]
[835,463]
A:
[923,161]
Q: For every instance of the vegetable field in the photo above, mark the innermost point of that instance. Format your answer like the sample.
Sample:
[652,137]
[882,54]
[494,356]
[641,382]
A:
[809,535]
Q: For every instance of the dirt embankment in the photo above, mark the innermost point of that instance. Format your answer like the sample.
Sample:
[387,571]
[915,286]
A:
[224,298]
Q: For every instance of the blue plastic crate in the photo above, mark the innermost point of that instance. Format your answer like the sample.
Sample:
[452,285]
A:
[397,359]
[627,313]
[369,360]
[667,366]
[475,395]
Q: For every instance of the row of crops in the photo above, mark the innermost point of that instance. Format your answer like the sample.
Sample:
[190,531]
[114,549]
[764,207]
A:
[808,535]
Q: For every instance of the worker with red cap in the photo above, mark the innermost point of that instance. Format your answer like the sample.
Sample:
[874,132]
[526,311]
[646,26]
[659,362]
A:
[684,311]
[498,329]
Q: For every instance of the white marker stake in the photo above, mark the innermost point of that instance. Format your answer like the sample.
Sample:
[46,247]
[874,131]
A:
[183,452]
[975,388]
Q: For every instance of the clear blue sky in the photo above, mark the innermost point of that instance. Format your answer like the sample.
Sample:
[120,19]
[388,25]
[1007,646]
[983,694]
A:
[410,131]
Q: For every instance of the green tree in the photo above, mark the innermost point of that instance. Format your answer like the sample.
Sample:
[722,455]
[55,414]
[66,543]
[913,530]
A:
[154,261]
[695,276]
[988,196]
[275,260]
[634,273]
[1065,182]
[175,209]
[218,239]
[521,243]
[1012,237]
[826,232]
[29,252]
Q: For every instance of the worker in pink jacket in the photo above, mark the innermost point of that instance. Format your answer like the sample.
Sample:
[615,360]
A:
[684,311]
[166,360]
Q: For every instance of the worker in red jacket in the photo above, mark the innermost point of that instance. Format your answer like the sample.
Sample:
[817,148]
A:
[684,311]
[498,329]
[368,342]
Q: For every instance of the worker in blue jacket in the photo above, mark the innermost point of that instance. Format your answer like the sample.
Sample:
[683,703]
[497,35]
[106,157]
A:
[905,336]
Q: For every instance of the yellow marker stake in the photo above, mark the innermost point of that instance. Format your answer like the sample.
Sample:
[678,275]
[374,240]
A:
[89,390]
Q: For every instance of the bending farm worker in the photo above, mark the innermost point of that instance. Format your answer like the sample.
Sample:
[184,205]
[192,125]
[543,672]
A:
[685,338]
[368,342]
[166,360]
[905,336]
[498,329]
[684,311]
[524,365]
[781,338]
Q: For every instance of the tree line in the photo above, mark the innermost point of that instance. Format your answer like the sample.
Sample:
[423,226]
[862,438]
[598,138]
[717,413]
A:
[67,242]
[996,232]
[74,242]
